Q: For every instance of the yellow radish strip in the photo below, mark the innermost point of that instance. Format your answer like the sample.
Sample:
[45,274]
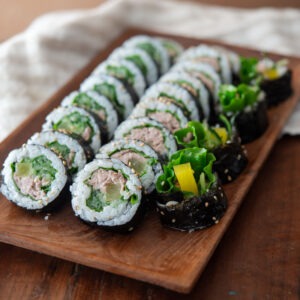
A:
[185,176]
[222,133]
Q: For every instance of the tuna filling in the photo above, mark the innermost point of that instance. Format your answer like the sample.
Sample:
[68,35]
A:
[33,176]
[133,160]
[106,188]
[151,136]
[75,123]
[166,118]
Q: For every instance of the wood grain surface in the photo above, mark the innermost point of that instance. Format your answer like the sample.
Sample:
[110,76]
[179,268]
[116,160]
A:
[151,253]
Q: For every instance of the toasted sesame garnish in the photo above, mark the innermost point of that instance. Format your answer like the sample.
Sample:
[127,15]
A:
[206,204]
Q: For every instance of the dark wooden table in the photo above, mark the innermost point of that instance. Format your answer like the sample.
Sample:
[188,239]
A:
[258,258]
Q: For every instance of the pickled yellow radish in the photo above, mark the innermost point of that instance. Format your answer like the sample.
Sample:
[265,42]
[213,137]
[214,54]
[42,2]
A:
[222,133]
[185,176]
[271,74]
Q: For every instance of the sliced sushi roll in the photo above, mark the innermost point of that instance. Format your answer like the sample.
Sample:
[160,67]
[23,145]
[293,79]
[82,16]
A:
[138,156]
[64,146]
[108,194]
[150,132]
[141,59]
[34,178]
[75,122]
[127,72]
[206,54]
[203,72]
[154,48]
[99,106]
[177,95]
[113,89]
[165,112]
[222,140]
[195,87]
[173,48]
[274,78]
[190,196]
[246,107]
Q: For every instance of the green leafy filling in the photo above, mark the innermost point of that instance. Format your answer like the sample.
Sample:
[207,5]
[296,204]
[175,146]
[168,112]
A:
[120,72]
[234,99]
[248,71]
[139,63]
[201,162]
[88,103]
[75,123]
[151,50]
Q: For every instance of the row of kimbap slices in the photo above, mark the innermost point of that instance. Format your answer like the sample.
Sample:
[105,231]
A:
[35,175]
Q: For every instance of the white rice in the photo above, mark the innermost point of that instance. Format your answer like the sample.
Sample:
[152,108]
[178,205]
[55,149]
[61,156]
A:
[12,193]
[126,53]
[115,214]
[139,84]
[203,95]
[177,94]
[149,179]
[106,106]
[42,138]
[58,113]
[164,62]
[124,103]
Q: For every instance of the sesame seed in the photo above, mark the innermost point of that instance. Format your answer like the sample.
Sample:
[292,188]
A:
[173,220]
[229,178]
[222,195]
[216,198]
[46,218]
[130,229]
[214,218]
[206,204]
[217,221]
[162,213]
[239,157]
[226,171]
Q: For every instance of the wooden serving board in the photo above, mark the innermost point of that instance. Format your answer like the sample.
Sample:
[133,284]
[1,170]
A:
[151,253]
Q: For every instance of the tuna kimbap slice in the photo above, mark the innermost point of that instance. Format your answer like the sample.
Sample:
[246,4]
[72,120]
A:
[195,87]
[245,106]
[99,106]
[176,94]
[127,72]
[75,122]
[165,112]
[141,158]
[274,78]
[222,140]
[150,132]
[67,148]
[113,89]
[190,197]
[141,59]
[34,177]
[154,48]
[216,59]
[108,194]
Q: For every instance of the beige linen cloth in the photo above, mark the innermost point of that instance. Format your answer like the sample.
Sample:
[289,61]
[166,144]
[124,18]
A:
[34,64]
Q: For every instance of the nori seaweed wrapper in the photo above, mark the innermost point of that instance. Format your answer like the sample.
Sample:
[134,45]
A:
[277,90]
[193,213]
[231,160]
[251,125]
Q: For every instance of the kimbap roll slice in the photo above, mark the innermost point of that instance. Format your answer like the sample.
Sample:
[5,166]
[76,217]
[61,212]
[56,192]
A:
[34,178]
[106,193]
[154,48]
[77,123]
[206,54]
[150,132]
[141,59]
[222,140]
[113,89]
[173,48]
[99,106]
[138,156]
[165,112]
[64,146]
[195,87]
[127,72]
[190,197]
[245,106]
[176,94]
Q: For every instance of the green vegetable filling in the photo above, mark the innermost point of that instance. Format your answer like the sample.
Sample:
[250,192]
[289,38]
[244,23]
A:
[201,162]
[75,123]
[248,71]
[120,72]
[234,99]
[151,50]
[139,63]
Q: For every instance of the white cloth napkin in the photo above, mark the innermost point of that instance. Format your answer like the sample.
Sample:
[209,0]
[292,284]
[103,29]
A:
[35,63]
